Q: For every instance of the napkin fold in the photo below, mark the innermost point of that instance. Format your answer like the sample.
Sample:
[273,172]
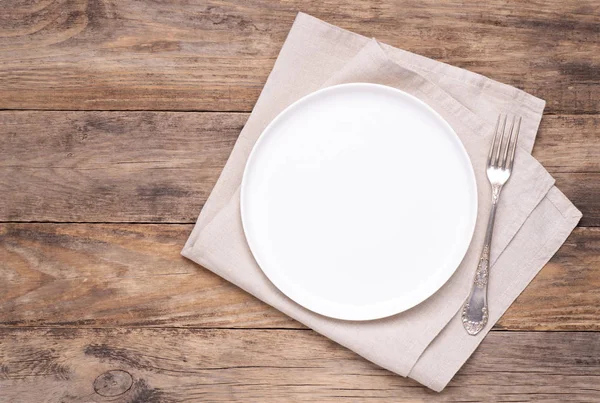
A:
[426,342]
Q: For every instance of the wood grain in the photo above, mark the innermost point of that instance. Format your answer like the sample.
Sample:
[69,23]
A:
[161,166]
[168,365]
[133,275]
[215,55]
[111,166]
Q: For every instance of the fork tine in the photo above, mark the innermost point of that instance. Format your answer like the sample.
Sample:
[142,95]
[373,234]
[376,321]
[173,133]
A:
[506,143]
[497,138]
[489,160]
[509,164]
[498,146]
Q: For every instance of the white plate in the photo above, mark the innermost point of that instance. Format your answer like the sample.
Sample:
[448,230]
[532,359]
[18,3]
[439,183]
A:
[358,201]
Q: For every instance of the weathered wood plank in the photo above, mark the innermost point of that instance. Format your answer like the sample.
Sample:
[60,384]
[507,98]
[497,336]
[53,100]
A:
[216,55]
[161,166]
[569,143]
[103,275]
[583,189]
[82,166]
[133,275]
[163,365]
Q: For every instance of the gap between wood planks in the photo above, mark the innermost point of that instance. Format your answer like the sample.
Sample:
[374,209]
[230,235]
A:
[285,329]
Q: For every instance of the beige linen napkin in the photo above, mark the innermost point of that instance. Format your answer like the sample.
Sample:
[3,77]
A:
[426,342]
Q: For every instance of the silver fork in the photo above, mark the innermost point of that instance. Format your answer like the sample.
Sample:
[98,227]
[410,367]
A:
[499,166]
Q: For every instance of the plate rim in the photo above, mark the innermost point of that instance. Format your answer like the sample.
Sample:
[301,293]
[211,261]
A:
[335,314]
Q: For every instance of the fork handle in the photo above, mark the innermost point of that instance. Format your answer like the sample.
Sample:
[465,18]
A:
[475,311]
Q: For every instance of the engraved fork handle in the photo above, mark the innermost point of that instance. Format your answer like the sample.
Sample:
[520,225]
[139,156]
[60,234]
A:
[475,311]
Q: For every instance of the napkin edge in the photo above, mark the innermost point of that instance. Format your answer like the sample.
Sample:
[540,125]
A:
[571,216]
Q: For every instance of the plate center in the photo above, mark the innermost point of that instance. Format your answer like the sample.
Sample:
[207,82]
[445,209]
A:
[358,198]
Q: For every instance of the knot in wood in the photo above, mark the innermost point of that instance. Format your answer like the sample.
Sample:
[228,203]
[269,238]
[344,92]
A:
[113,383]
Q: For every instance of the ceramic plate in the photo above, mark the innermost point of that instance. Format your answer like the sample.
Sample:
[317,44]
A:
[358,201]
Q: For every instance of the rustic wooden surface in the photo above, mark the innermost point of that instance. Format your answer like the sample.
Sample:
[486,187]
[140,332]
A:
[132,275]
[161,166]
[225,365]
[116,118]
[215,55]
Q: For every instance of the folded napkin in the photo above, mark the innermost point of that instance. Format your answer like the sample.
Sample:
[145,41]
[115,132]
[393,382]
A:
[427,342]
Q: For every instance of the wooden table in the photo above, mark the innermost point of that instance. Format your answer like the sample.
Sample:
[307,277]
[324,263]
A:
[117,117]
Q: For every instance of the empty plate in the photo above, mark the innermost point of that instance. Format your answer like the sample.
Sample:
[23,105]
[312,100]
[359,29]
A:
[358,201]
